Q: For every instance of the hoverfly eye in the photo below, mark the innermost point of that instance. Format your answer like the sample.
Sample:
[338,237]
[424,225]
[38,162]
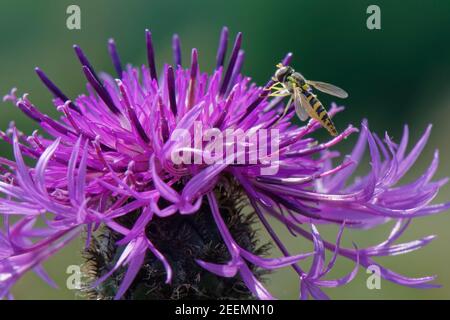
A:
[281,73]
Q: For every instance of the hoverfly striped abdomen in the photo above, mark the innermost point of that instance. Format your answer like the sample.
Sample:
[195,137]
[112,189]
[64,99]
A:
[320,113]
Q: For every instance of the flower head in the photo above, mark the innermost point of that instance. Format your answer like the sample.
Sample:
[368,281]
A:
[107,165]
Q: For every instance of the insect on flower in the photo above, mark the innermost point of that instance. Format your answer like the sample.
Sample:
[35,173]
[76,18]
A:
[288,82]
[157,229]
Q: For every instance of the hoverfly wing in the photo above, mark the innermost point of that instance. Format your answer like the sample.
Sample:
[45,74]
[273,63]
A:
[328,89]
[299,105]
[307,106]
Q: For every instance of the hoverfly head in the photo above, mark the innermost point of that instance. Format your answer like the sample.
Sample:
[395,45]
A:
[282,72]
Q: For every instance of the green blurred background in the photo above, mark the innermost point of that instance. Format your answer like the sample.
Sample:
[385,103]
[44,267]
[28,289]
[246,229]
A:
[399,74]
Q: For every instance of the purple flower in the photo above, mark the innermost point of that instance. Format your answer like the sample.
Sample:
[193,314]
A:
[109,157]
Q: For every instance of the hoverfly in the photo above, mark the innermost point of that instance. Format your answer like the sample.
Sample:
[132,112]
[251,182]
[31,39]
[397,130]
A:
[288,82]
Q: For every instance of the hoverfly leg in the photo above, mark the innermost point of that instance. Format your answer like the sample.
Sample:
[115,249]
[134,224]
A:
[288,104]
[284,111]
[279,94]
[276,85]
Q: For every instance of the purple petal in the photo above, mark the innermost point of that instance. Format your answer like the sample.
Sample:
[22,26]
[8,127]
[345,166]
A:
[273,263]
[317,265]
[132,270]
[224,270]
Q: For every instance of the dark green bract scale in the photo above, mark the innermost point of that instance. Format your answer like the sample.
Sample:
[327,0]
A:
[182,239]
